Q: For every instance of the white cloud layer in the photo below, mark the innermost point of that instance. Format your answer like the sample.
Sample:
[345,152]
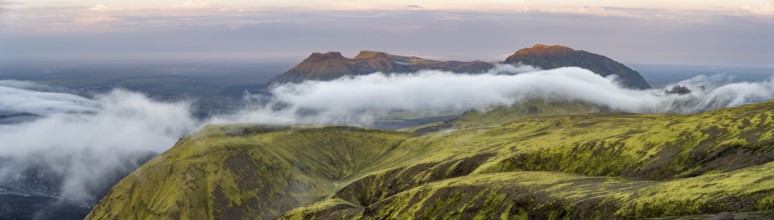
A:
[15,96]
[82,140]
[765,10]
[359,100]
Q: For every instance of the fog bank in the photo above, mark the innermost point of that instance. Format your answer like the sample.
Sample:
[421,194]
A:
[361,99]
[76,142]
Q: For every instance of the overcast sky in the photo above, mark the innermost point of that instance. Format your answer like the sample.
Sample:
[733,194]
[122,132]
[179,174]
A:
[714,32]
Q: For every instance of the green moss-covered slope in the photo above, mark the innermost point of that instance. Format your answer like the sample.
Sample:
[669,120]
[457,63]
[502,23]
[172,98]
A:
[596,165]
[501,115]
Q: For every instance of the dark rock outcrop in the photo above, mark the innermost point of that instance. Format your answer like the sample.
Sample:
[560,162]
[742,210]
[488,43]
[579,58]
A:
[678,89]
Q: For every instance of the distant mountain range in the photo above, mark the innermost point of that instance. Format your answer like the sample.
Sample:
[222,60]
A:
[332,65]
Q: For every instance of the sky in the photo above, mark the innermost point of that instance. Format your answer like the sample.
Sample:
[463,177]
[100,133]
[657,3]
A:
[691,32]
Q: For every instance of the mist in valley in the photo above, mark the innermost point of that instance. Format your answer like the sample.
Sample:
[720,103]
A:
[69,147]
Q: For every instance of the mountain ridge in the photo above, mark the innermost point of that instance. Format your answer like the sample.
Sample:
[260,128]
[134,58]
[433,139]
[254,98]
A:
[596,165]
[333,65]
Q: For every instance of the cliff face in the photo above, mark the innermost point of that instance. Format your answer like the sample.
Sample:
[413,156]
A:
[583,166]
[332,65]
[551,57]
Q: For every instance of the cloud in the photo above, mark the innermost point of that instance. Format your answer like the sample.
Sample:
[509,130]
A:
[98,7]
[268,34]
[7,3]
[193,4]
[361,99]
[79,143]
[82,143]
[586,10]
[16,98]
[102,18]
[513,69]
[4,5]
[765,10]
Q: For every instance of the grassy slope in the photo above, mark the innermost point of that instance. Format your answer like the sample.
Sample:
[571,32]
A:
[501,115]
[220,172]
[588,165]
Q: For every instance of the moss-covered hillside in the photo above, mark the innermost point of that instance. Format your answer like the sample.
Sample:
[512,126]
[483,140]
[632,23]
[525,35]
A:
[596,165]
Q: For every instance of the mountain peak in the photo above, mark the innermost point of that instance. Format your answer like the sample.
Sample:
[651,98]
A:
[332,65]
[324,56]
[365,54]
[542,49]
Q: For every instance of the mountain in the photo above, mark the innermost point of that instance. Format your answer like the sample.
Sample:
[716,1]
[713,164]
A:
[551,57]
[582,166]
[332,65]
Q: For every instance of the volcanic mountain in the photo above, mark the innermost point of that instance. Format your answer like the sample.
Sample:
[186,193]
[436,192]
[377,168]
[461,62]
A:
[551,57]
[332,65]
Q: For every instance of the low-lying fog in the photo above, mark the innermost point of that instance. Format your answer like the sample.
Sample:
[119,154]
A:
[78,141]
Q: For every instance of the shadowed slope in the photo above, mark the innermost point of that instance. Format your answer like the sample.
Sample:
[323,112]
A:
[245,172]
